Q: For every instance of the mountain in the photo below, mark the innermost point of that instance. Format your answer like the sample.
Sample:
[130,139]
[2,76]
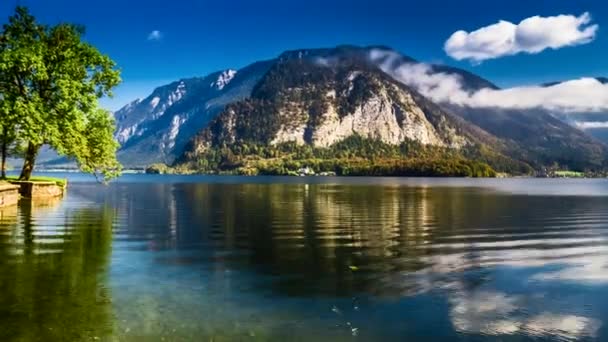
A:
[541,138]
[322,98]
[302,102]
[593,123]
[318,99]
[156,128]
[537,136]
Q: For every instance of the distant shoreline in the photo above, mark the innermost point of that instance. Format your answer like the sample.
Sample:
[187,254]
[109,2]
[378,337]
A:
[500,176]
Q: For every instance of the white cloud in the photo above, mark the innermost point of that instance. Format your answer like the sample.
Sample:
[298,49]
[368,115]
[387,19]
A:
[591,124]
[494,314]
[438,86]
[531,35]
[568,327]
[155,35]
[580,95]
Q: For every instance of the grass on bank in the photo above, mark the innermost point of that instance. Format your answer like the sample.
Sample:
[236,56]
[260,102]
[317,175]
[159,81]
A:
[569,174]
[59,181]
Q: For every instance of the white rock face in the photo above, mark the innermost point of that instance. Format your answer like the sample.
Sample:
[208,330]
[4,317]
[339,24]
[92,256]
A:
[223,79]
[376,119]
[176,124]
[380,118]
[124,134]
[159,106]
[154,102]
[295,134]
[176,95]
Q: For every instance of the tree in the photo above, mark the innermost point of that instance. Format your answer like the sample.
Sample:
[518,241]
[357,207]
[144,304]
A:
[98,155]
[52,81]
[20,62]
[8,133]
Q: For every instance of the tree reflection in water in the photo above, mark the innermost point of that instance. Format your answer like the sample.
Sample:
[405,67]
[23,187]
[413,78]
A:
[52,269]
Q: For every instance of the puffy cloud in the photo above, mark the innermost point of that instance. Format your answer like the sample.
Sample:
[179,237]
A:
[531,35]
[155,35]
[580,95]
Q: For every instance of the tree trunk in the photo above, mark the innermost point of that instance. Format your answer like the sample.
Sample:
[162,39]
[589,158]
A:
[30,160]
[4,152]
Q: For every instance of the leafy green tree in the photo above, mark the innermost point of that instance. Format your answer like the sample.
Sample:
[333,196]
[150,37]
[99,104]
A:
[20,64]
[8,131]
[98,152]
[52,81]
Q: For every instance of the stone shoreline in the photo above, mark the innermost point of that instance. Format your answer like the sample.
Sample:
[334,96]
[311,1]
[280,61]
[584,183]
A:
[11,192]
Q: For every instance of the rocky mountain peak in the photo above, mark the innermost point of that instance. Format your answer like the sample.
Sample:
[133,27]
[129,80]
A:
[304,102]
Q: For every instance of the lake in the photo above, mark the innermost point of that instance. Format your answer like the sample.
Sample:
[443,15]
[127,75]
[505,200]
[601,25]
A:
[189,258]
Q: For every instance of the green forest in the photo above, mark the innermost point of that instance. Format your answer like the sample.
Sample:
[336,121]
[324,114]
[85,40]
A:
[354,156]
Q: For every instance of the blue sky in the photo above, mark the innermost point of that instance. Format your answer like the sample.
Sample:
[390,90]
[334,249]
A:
[197,37]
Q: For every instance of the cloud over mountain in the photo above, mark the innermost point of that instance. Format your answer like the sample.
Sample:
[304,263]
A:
[591,124]
[532,35]
[579,95]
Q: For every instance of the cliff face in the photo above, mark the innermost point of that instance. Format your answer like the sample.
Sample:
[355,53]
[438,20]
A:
[389,116]
[306,102]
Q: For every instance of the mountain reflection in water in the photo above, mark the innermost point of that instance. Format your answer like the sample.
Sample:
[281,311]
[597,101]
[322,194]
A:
[189,260]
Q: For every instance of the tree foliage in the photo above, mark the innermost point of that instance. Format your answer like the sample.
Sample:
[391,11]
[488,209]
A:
[353,156]
[50,81]
[98,154]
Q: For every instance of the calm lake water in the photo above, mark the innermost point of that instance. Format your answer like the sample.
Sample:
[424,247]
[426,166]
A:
[178,258]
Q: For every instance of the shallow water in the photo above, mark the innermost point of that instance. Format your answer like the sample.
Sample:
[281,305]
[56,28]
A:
[185,258]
